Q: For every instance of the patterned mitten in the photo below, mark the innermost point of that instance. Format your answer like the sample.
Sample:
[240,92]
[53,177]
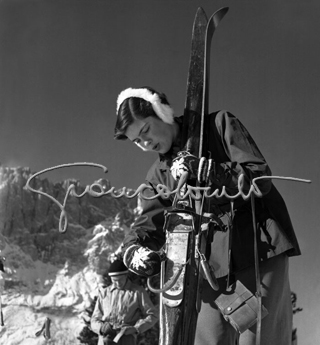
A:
[143,261]
[198,169]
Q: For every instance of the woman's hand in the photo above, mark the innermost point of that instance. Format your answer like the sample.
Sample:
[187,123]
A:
[198,168]
[143,261]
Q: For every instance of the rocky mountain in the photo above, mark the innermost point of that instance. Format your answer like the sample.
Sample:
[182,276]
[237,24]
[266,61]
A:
[49,273]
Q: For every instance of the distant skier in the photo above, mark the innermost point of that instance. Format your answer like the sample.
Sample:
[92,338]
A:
[123,309]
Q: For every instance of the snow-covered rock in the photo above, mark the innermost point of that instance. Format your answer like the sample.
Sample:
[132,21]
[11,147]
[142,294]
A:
[49,273]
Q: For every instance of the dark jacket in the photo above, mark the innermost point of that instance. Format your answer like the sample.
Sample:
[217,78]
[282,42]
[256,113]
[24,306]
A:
[234,153]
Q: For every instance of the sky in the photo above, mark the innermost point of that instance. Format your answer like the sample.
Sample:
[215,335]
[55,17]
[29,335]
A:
[63,63]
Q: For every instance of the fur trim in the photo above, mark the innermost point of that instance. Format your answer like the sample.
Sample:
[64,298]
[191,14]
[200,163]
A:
[163,111]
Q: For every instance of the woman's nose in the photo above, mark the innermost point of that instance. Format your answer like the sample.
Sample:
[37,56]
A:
[147,143]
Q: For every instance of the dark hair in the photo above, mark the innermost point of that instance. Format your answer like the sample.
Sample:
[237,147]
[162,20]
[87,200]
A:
[134,108]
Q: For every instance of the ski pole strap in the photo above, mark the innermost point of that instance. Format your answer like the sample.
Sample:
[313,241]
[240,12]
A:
[208,272]
[170,283]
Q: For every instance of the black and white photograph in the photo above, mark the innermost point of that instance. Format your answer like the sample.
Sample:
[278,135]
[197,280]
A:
[159,172]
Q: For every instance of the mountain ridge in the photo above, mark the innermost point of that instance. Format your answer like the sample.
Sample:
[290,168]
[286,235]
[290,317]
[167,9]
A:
[49,273]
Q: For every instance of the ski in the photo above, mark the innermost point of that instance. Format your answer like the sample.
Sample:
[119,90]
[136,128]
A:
[193,103]
[178,314]
[178,242]
[201,236]
[211,27]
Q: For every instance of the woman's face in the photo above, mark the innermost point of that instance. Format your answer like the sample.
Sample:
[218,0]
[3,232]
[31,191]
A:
[152,134]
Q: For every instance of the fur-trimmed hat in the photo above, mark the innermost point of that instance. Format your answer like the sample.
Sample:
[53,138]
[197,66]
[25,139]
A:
[117,268]
[163,111]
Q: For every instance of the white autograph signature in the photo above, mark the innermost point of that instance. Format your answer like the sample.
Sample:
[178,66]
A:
[97,190]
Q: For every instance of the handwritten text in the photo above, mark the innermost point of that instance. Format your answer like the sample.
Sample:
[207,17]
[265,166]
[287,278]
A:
[97,190]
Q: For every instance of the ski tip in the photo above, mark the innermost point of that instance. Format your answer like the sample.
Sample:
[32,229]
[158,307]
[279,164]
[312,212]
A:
[222,10]
[201,13]
[200,17]
[200,10]
[218,15]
